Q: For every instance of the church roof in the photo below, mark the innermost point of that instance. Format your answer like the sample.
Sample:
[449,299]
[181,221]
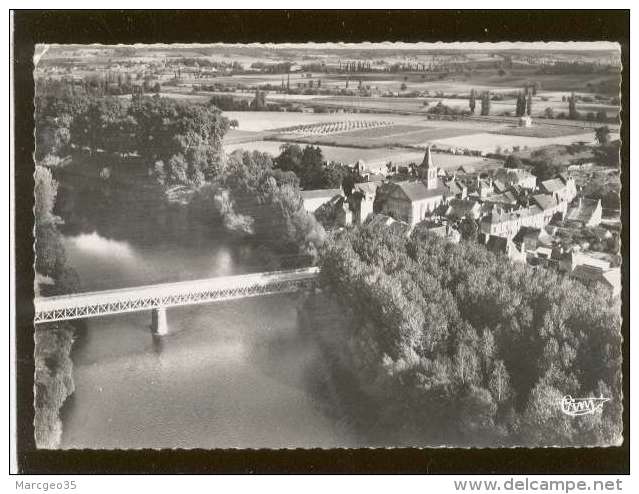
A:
[417,190]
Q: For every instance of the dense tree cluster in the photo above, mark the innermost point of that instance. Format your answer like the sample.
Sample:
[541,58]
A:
[313,172]
[53,381]
[265,202]
[181,141]
[451,344]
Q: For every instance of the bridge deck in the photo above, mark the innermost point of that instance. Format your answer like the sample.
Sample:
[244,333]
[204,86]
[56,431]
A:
[146,297]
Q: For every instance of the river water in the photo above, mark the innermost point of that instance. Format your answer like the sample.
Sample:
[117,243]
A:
[235,374]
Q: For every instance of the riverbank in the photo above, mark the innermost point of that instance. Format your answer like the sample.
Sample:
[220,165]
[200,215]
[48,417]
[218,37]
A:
[53,380]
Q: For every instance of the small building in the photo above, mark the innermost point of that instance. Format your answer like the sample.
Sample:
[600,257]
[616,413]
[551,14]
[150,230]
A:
[501,245]
[446,231]
[550,205]
[313,199]
[516,177]
[463,208]
[569,261]
[483,187]
[586,213]
[505,199]
[525,121]
[594,275]
[503,223]
[456,188]
[562,188]
[384,221]
[362,200]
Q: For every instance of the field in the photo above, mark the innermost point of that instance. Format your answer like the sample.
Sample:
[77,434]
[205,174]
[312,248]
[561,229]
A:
[489,143]
[255,121]
[391,137]
[350,155]
[405,132]
[368,127]
[544,131]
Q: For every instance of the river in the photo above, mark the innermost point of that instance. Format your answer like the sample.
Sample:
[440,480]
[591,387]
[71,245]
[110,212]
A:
[228,375]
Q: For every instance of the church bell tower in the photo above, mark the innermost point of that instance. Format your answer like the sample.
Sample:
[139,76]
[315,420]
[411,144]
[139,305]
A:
[429,171]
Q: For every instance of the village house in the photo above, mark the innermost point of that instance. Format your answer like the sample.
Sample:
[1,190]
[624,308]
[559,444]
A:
[445,231]
[550,205]
[562,188]
[382,220]
[313,199]
[482,188]
[586,213]
[462,208]
[506,199]
[569,261]
[367,169]
[456,188]
[502,223]
[362,200]
[501,245]
[516,177]
[593,275]
[413,200]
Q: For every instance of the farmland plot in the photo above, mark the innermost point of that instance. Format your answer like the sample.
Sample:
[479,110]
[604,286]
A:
[372,157]
[257,121]
[489,143]
[392,136]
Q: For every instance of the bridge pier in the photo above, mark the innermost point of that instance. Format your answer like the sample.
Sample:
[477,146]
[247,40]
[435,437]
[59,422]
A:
[158,321]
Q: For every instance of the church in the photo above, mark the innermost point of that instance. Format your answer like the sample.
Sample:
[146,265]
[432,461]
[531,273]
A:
[413,200]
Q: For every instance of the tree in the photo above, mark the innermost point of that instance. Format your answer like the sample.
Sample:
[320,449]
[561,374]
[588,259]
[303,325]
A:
[409,312]
[529,104]
[602,135]
[536,86]
[45,192]
[468,229]
[549,113]
[513,161]
[259,102]
[520,107]
[485,103]
[471,101]
[573,114]
[189,134]
[499,384]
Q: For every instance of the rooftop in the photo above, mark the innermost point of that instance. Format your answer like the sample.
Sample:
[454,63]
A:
[320,193]
[584,211]
[545,201]
[553,185]
[417,190]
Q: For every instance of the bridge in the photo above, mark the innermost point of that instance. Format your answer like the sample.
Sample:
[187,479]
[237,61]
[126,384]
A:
[157,298]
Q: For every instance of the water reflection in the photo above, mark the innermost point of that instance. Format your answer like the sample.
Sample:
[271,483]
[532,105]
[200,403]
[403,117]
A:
[233,374]
[228,375]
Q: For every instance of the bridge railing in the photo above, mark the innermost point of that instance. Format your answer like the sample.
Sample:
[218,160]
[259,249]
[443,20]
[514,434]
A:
[91,304]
